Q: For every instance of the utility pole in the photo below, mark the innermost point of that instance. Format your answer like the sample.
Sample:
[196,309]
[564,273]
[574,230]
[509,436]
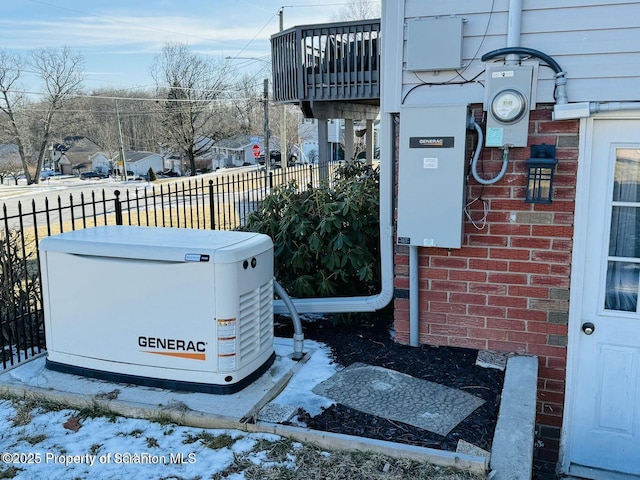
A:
[284,161]
[124,161]
[267,155]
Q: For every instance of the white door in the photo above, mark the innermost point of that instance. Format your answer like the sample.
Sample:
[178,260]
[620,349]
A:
[603,418]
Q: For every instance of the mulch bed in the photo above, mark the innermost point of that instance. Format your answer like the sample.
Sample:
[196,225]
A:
[450,366]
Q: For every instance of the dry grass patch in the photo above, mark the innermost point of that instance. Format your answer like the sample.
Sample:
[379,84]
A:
[286,460]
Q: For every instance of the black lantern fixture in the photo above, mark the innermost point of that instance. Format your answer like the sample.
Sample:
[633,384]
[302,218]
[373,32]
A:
[541,167]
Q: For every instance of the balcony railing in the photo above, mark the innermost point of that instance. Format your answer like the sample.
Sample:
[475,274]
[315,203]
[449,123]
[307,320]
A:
[327,62]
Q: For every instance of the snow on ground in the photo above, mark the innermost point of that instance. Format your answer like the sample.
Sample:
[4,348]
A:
[106,449]
[109,448]
[317,369]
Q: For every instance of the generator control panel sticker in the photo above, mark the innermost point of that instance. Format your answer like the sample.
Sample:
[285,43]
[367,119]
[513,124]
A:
[226,344]
[429,163]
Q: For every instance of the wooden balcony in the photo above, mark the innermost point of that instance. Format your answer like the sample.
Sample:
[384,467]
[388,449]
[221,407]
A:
[334,62]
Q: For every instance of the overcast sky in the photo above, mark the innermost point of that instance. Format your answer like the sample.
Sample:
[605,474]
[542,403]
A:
[119,38]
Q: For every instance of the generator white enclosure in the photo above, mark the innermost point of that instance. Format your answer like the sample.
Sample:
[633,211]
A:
[166,307]
[431,175]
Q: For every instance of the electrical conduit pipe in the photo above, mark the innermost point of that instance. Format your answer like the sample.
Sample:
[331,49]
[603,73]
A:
[298,336]
[414,297]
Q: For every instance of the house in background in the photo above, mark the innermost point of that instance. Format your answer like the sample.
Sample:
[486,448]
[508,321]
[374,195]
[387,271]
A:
[512,222]
[308,136]
[205,156]
[238,150]
[173,163]
[139,163]
[101,163]
[74,155]
[233,151]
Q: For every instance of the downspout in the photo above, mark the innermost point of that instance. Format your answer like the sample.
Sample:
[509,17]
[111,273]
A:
[375,302]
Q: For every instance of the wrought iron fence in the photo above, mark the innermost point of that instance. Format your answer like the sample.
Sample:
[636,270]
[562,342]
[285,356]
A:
[221,202]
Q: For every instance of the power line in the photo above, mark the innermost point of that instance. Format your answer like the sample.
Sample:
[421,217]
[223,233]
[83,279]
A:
[256,35]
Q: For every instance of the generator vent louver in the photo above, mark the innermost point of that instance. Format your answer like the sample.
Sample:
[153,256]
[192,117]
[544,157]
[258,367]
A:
[256,324]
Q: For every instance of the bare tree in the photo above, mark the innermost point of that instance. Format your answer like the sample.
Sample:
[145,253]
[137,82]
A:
[10,164]
[193,84]
[358,10]
[97,114]
[29,124]
[61,71]
[246,111]
[12,100]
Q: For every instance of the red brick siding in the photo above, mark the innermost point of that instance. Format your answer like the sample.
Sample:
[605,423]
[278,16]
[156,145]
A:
[507,288]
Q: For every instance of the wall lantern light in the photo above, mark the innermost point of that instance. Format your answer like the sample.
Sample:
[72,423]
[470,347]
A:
[541,167]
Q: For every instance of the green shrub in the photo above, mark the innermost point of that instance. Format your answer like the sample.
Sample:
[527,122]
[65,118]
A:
[151,175]
[326,239]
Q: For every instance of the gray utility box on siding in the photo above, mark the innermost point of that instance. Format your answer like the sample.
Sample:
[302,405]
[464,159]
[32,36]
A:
[431,175]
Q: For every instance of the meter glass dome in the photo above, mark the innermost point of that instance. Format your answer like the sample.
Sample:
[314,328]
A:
[508,105]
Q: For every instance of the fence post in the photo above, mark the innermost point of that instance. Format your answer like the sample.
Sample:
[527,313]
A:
[311,174]
[213,222]
[270,180]
[118,206]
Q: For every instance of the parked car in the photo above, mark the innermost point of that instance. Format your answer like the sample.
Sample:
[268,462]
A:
[275,156]
[87,175]
[45,174]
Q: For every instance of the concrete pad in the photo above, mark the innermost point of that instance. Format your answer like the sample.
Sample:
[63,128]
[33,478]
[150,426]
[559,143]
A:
[492,359]
[397,396]
[512,449]
[33,377]
[277,413]
[471,449]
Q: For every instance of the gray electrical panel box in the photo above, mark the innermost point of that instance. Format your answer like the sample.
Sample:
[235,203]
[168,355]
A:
[431,175]
[434,44]
[508,102]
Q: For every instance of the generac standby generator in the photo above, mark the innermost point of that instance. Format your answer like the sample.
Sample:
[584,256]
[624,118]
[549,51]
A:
[163,307]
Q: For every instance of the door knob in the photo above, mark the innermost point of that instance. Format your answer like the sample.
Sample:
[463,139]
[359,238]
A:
[588,328]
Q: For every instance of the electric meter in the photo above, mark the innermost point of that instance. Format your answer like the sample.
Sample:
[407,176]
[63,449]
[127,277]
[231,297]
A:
[508,105]
[508,100]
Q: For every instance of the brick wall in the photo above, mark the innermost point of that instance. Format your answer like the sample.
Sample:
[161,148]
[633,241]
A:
[507,288]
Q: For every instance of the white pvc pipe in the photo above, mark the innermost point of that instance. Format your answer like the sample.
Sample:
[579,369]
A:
[369,303]
[514,29]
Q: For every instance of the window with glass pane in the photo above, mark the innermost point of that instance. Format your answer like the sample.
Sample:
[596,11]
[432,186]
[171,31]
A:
[623,266]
